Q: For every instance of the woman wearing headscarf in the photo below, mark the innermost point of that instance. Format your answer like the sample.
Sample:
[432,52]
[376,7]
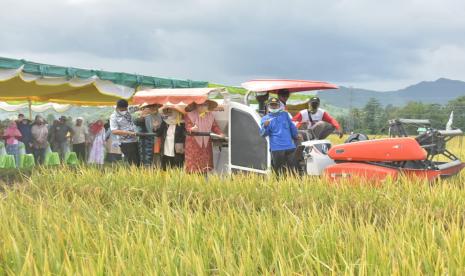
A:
[12,136]
[148,123]
[200,122]
[97,150]
[39,132]
[173,136]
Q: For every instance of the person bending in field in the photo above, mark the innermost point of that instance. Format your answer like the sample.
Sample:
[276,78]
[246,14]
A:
[278,126]
[317,120]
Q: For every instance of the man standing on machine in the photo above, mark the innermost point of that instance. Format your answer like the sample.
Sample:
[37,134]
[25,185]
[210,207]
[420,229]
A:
[317,120]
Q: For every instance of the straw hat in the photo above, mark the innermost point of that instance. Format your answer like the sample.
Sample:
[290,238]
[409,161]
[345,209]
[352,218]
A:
[144,105]
[211,106]
[178,108]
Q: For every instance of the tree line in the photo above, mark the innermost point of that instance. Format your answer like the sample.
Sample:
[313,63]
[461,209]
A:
[373,117]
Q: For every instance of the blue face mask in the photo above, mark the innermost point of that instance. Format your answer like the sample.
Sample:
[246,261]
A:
[274,110]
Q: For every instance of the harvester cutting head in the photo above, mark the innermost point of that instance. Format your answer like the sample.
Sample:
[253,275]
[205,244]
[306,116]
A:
[399,154]
[432,140]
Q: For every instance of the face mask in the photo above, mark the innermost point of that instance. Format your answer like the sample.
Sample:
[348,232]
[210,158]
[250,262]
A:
[123,112]
[274,110]
[170,120]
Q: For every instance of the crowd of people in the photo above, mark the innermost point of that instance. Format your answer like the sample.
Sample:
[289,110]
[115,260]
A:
[156,135]
[170,136]
[166,136]
[91,142]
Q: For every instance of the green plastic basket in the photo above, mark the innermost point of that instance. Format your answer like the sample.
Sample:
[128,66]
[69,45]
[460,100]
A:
[52,159]
[71,159]
[7,162]
[2,148]
[26,161]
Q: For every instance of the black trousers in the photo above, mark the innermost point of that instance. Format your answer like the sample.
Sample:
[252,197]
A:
[80,150]
[113,157]
[131,153]
[29,149]
[39,156]
[284,161]
[172,162]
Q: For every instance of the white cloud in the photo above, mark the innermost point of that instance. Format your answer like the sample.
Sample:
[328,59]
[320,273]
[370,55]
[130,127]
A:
[374,44]
[449,60]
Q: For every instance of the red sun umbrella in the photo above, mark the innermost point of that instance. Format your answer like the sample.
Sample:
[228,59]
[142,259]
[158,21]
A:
[292,85]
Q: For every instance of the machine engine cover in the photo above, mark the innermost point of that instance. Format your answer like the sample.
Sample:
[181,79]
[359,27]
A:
[350,170]
[379,150]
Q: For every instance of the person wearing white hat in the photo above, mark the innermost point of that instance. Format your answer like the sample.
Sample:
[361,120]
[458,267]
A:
[79,139]
[39,133]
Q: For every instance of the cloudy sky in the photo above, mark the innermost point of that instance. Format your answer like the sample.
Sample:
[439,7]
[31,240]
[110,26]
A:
[373,44]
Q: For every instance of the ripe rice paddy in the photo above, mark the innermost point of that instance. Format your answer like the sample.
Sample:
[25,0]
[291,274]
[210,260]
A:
[113,221]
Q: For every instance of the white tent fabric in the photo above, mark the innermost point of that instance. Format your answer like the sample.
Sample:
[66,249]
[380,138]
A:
[36,108]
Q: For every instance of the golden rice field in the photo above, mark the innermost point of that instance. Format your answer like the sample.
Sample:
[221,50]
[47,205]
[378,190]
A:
[116,221]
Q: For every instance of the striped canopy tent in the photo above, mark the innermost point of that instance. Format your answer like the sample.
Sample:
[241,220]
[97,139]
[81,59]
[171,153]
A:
[36,107]
[22,80]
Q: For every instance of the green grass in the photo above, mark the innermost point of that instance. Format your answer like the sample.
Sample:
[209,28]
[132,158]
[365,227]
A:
[118,220]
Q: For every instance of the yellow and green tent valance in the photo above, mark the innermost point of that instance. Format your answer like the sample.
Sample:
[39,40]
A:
[36,107]
[22,80]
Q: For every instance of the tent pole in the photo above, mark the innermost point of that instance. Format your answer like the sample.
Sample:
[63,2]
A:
[30,109]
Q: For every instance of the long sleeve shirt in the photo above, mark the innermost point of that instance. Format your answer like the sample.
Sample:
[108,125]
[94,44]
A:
[39,136]
[120,121]
[281,131]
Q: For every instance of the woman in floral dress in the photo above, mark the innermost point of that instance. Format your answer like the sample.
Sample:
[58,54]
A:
[198,149]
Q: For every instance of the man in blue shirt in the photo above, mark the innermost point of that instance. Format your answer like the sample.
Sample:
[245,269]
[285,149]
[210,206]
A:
[278,126]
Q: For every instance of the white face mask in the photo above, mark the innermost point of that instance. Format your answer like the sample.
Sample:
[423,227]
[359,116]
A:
[170,120]
[123,112]
[274,110]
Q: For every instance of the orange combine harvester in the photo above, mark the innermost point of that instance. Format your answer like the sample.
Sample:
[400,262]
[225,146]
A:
[399,155]
[245,150]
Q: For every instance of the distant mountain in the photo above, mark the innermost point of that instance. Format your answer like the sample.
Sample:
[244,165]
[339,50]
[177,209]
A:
[440,91]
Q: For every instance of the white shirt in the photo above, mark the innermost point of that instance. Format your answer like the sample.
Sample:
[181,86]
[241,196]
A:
[79,134]
[316,117]
[168,149]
